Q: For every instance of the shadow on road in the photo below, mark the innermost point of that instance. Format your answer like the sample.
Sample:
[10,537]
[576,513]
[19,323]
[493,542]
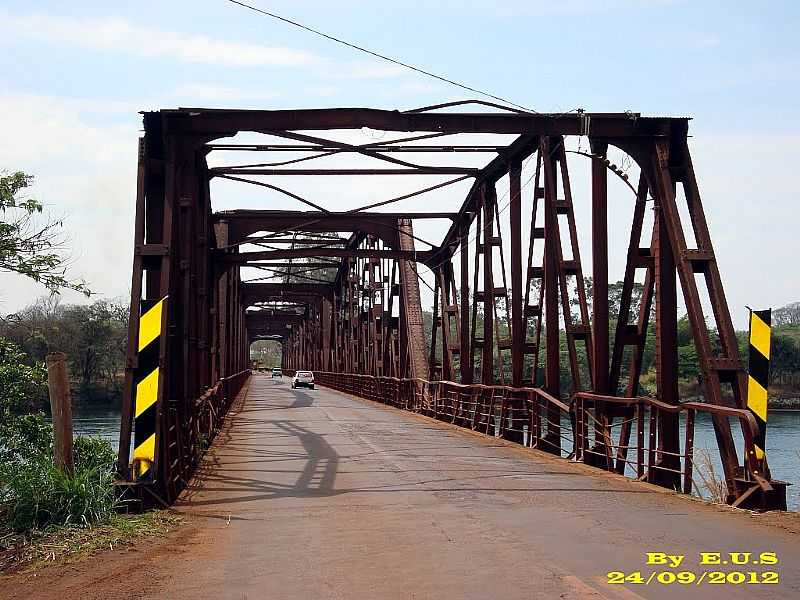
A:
[273,442]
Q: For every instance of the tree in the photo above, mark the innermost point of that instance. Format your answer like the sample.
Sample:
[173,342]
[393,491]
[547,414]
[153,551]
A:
[27,246]
[615,300]
[21,385]
[787,315]
[267,353]
[784,359]
[93,336]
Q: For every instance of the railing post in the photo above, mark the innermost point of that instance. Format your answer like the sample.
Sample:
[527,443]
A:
[651,450]
[640,440]
[689,449]
[579,428]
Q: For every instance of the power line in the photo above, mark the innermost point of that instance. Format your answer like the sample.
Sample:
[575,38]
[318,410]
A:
[378,55]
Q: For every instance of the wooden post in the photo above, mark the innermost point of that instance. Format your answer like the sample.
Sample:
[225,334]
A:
[61,408]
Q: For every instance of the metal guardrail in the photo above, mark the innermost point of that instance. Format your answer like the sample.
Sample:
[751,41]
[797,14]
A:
[536,419]
[213,405]
[598,448]
[528,416]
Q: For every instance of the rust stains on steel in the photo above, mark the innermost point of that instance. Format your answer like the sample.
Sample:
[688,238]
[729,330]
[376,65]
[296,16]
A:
[493,323]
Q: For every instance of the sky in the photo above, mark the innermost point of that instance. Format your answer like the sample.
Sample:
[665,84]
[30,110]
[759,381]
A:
[75,76]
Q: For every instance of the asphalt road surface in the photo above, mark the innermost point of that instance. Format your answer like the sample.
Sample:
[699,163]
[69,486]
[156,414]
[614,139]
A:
[314,494]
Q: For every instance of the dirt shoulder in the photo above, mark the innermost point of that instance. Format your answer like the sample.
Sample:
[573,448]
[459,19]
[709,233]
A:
[71,563]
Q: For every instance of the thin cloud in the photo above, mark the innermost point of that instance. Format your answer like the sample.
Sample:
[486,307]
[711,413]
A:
[218,93]
[563,8]
[113,34]
[707,41]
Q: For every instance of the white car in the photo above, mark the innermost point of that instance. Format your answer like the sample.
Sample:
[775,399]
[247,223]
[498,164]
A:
[303,379]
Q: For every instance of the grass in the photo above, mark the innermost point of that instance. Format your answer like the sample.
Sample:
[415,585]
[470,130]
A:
[712,486]
[35,494]
[34,549]
[47,515]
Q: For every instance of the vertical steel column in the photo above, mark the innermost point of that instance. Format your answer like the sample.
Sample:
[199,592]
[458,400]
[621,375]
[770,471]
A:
[516,295]
[465,355]
[666,354]
[411,306]
[600,320]
[433,367]
[671,162]
[126,420]
[552,243]
[600,270]
[487,361]
[326,334]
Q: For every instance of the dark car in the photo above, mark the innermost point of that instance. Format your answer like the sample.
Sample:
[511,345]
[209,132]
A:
[303,379]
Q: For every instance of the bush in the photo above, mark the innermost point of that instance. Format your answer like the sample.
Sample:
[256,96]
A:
[35,494]
[22,387]
[93,453]
[25,438]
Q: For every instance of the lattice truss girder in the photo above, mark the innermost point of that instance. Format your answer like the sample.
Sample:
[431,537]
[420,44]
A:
[340,290]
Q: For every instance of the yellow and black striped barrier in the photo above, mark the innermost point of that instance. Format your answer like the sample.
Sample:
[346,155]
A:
[758,380]
[146,387]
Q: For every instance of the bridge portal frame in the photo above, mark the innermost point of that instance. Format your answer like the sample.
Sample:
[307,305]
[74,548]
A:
[186,253]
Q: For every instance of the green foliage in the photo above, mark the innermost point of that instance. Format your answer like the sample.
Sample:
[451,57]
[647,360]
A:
[35,495]
[788,315]
[784,358]
[784,363]
[267,353]
[21,385]
[10,186]
[93,336]
[24,437]
[29,247]
[41,548]
[93,453]
[688,364]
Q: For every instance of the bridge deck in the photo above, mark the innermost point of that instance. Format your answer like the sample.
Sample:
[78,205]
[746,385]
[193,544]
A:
[314,494]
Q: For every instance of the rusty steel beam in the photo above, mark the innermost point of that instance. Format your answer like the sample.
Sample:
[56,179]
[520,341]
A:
[368,321]
[262,292]
[221,123]
[310,266]
[323,172]
[268,215]
[247,257]
[449,148]
[244,223]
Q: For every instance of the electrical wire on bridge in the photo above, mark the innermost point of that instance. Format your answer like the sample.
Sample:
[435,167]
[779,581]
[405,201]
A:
[395,61]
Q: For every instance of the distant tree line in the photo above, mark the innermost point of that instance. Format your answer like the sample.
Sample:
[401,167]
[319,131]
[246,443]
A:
[266,353]
[93,336]
[784,356]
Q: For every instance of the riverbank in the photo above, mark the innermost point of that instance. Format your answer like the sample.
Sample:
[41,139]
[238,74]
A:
[783,403]
[24,553]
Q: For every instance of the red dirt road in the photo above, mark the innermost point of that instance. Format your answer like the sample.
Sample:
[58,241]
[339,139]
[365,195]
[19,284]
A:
[314,494]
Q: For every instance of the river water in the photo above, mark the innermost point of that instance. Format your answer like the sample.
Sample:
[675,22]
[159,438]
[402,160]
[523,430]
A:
[102,421]
[783,440]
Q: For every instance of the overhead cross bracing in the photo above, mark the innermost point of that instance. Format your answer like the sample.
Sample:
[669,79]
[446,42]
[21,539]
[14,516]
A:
[329,243]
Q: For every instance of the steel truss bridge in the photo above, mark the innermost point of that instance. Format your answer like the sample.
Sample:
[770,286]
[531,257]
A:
[518,346]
